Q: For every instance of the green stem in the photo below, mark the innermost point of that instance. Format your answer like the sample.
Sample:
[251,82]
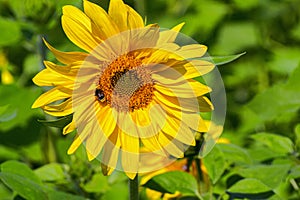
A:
[199,171]
[134,188]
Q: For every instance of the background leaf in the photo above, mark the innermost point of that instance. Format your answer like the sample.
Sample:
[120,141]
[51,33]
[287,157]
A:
[16,175]
[173,181]
[50,172]
[10,32]
[276,143]
[249,186]
[215,164]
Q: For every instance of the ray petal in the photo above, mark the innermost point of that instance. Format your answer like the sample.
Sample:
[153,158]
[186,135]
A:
[78,27]
[47,78]
[52,95]
[66,57]
[69,127]
[124,16]
[170,35]
[102,20]
[130,153]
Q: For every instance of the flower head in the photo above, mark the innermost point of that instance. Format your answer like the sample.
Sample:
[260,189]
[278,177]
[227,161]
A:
[133,96]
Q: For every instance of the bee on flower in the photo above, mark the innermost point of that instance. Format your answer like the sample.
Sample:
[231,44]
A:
[132,91]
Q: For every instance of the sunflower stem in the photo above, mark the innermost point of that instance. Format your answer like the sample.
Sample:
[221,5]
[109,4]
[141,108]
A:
[134,188]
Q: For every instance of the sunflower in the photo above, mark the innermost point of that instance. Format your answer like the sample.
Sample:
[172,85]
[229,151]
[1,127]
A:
[133,94]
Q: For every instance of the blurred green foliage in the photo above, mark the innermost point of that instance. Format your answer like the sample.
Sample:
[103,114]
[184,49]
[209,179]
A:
[261,160]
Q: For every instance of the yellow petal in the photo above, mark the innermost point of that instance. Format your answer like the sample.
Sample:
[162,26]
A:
[145,122]
[52,95]
[69,128]
[111,150]
[143,38]
[168,143]
[194,105]
[130,153]
[134,20]
[190,51]
[127,124]
[180,131]
[124,16]
[152,144]
[141,117]
[106,120]
[186,89]
[69,71]
[187,104]
[196,68]
[48,78]
[131,175]
[192,120]
[85,110]
[75,144]
[170,35]
[192,68]
[103,127]
[62,109]
[83,131]
[95,141]
[78,27]
[102,20]
[66,57]
[162,56]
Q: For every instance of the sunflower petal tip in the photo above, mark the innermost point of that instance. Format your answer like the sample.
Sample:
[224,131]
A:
[65,131]
[90,156]
[35,104]
[70,151]
[131,175]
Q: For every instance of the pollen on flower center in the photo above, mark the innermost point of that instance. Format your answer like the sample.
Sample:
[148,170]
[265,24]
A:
[125,85]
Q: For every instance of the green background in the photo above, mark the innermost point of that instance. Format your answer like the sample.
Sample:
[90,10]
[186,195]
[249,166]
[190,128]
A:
[261,160]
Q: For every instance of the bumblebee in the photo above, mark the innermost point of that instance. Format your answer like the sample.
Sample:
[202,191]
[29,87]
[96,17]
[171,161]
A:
[100,95]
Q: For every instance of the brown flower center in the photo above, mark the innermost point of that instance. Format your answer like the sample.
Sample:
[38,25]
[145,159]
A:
[125,85]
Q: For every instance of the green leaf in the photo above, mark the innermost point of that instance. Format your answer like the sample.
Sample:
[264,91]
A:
[20,169]
[260,153]
[117,191]
[17,175]
[221,60]
[296,32]
[236,36]
[11,95]
[249,186]
[32,64]
[246,5]
[203,11]
[7,113]
[278,100]
[50,172]
[58,123]
[5,192]
[235,154]
[277,143]
[297,134]
[285,56]
[10,32]
[270,175]
[295,172]
[7,153]
[173,181]
[215,164]
[57,195]
[97,184]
